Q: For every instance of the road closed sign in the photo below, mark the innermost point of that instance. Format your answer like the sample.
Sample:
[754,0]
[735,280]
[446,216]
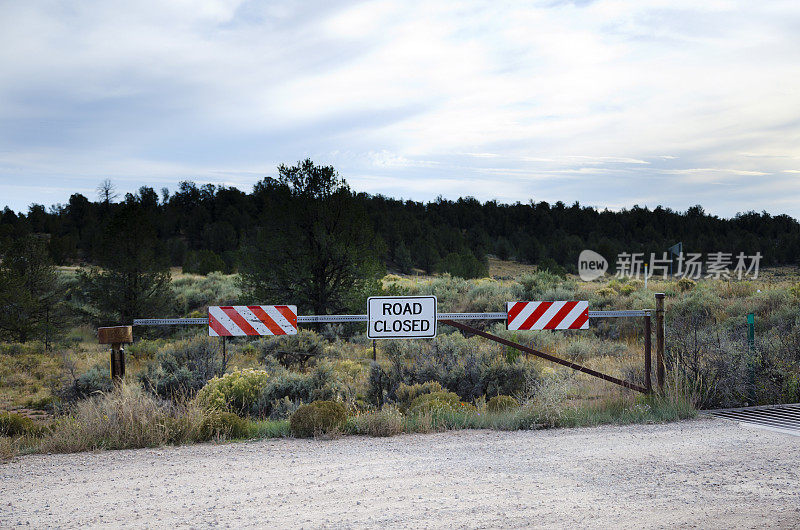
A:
[401,317]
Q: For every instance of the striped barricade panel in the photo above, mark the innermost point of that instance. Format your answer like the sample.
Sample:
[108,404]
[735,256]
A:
[253,320]
[548,315]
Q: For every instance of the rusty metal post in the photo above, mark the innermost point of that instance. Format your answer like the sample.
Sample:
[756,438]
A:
[374,350]
[660,341]
[648,383]
[224,353]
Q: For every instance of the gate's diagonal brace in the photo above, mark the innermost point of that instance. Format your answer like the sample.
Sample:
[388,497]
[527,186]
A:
[543,355]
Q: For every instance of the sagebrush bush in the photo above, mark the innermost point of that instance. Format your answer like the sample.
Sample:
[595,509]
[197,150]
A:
[407,393]
[199,292]
[794,290]
[235,392]
[183,367]
[12,424]
[322,383]
[435,401]
[470,367]
[221,424]
[685,284]
[606,292]
[318,418]
[292,350]
[536,286]
[94,381]
[21,348]
[280,409]
[501,404]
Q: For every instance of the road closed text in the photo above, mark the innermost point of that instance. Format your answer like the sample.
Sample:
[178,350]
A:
[401,317]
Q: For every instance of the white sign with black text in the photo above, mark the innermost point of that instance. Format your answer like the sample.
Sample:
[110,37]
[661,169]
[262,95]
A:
[401,317]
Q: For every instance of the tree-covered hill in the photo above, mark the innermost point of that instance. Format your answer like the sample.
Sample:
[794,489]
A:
[206,228]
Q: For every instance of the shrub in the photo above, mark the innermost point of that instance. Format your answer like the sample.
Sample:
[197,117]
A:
[407,393]
[435,401]
[317,418]
[462,265]
[12,424]
[469,367]
[502,378]
[536,284]
[685,284]
[236,392]
[292,350]
[221,424]
[198,292]
[203,262]
[606,292]
[280,409]
[501,404]
[183,368]
[627,289]
[385,422]
[795,290]
[94,381]
[321,384]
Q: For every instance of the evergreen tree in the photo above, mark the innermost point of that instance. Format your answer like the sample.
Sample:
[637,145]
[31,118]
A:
[30,294]
[134,280]
[320,252]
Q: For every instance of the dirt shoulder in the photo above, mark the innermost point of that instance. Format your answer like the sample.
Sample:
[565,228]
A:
[709,473]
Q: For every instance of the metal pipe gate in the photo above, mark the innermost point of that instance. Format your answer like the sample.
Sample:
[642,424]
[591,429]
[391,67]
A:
[452,319]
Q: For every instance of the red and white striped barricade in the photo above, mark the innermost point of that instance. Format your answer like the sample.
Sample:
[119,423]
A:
[252,320]
[547,315]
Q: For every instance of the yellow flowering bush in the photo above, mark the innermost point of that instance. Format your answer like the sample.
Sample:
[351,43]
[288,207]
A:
[235,392]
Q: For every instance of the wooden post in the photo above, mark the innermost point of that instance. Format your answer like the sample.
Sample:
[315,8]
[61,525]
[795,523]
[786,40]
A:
[660,341]
[648,383]
[117,363]
[117,336]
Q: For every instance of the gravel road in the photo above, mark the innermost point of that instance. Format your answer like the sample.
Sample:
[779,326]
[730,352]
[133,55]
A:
[704,473]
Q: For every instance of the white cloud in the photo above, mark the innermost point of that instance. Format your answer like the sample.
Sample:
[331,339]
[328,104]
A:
[554,96]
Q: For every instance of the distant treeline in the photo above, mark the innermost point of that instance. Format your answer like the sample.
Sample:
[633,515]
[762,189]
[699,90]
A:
[206,228]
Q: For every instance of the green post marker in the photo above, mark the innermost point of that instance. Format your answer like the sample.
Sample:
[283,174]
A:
[751,368]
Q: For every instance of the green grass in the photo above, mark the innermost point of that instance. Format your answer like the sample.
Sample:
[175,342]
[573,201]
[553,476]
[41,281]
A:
[269,429]
[617,411]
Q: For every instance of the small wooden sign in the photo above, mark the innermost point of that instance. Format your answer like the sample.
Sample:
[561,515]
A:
[115,335]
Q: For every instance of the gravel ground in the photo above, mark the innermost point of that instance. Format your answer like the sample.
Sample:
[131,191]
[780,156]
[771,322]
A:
[704,473]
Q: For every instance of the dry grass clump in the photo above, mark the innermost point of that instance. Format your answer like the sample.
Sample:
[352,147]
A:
[8,448]
[385,422]
[123,419]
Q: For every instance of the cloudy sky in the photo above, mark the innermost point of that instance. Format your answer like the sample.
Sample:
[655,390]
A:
[610,103]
